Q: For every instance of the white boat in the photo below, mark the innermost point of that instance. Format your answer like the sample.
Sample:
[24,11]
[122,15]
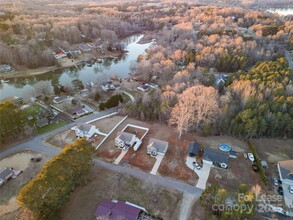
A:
[250,156]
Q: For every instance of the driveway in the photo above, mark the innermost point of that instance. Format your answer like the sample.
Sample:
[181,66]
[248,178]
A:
[288,197]
[156,166]
[203,173]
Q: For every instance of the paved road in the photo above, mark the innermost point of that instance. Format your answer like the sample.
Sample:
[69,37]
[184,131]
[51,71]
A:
[36,144]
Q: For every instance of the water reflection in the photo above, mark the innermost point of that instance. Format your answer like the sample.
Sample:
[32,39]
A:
[98,72]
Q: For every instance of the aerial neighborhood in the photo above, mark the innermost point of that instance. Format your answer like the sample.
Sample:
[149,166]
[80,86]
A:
[146,110]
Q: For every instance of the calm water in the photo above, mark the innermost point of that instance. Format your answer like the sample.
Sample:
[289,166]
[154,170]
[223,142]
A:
[281,11]
[24,87]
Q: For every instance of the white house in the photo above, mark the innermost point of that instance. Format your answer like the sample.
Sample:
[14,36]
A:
[156,146]
[144,88]
[125,139]
[285,169]
[106,86]
[85,130]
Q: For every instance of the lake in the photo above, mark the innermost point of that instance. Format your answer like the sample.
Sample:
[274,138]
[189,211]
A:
[281,11]
[24,86]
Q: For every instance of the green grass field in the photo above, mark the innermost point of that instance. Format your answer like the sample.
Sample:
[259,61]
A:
[52,126]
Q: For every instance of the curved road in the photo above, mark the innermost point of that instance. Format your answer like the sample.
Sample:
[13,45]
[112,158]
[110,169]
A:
[36,144]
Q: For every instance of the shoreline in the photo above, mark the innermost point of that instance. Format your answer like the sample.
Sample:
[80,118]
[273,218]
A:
[67,62]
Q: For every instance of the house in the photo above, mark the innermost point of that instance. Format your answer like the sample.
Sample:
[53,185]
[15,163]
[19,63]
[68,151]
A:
[85,48]
[79,111]
[5,68]
[143,88]
[285,169]
[60,55]
[221,78]
[106,86]
[125,139]
[84,92]
[215,157]
[153,85]
[85,130]
[114,210]
[156,146]
[58,100]
[193,149]
[42,122]
[75,52]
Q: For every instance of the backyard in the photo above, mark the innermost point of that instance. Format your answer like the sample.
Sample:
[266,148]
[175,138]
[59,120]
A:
[104,184]
[20,161]
[173,163]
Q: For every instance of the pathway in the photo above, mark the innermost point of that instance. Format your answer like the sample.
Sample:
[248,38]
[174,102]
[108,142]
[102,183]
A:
[130,96]
[156,166]
[120,157]
[186,205]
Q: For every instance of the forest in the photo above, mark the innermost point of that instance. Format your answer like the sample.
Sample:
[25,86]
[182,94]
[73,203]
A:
[220,70]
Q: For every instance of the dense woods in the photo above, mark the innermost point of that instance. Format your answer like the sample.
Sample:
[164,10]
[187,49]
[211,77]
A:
[219,69]
[46,194]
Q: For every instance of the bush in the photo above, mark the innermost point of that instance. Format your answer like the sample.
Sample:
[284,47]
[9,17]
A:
[258,162]
[113,101]
[97,96]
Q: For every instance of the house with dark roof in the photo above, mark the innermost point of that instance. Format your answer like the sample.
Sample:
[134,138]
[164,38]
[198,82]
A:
[125,139]
[215,157]
[85,48]
[85,130]
[156,146]
[114,210]
[107,86]
[42,122]
[5,173]
[143,88]
[59,99]
[193,149]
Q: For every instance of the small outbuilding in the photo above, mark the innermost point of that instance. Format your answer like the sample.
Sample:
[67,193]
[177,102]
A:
[193,149]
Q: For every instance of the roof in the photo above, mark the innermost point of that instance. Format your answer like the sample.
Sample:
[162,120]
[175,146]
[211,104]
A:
[161,146]
[84,127]
[193,148]
[42,122]
[76,110]
[215,155]
[4,172]
[117,210]
[126,137]
[59,98]
[286,169]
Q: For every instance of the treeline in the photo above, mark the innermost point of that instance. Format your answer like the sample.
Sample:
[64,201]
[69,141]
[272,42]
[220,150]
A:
[46,194]
[257,103]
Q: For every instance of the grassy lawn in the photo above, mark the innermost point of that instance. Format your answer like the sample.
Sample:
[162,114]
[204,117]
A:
[30,111]
[52,126]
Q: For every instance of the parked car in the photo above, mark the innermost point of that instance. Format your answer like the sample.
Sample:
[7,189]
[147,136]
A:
[280,190]
[250,156]
[276,182]
[196,165]
[291,189]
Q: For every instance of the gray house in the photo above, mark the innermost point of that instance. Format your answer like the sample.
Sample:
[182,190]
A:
[215,157]
[125,139]
[193,149]
[156,146]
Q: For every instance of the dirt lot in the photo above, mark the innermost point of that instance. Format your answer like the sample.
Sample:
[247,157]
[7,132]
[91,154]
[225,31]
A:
[8,192]
[272,151]
[104,184]
[173,164]
[62,139]
[107,124]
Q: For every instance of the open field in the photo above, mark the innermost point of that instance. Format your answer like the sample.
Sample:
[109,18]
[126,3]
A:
[107,124]
[103,184]
[173,163]
[8,192]
[62,139]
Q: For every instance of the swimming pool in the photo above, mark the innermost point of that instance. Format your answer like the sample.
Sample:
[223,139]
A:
[224,147]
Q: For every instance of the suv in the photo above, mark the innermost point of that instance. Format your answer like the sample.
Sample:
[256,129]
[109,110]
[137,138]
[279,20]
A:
[280,190]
